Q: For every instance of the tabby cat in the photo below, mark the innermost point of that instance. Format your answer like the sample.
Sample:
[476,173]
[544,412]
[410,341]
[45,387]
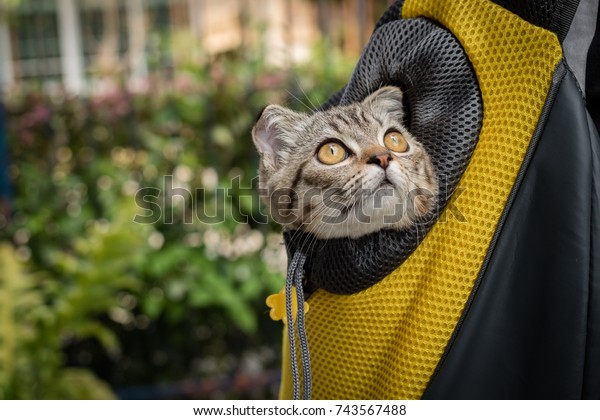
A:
[346,171]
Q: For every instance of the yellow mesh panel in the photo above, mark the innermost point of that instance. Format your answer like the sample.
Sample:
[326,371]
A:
[385,342]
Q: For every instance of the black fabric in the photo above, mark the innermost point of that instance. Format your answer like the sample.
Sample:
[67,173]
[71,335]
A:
[444,112]
[592,85]
[392,13]
[555,15]
[591,380]
[532,330]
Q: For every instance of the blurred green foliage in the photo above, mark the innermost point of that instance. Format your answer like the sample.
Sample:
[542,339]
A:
[34,321]
[85,289]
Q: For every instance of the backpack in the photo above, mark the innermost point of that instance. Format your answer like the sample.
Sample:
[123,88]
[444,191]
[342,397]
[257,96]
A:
[498,296]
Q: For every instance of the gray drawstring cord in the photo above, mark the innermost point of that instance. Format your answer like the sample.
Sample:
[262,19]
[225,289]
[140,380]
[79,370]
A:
[294,279]
[302,331]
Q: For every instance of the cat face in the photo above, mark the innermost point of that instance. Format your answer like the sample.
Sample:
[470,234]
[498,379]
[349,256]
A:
[344,172]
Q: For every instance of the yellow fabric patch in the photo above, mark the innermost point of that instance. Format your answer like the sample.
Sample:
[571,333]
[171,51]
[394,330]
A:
[277,304]
[386,341]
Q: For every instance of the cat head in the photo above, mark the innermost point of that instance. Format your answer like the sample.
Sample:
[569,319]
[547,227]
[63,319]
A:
[346,171]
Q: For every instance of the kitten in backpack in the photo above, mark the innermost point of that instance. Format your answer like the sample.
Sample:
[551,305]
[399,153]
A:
[344,172]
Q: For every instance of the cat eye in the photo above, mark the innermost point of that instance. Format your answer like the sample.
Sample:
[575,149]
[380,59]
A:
[395,142]
[331,153]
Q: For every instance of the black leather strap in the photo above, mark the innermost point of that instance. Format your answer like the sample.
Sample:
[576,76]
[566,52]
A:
[592,87]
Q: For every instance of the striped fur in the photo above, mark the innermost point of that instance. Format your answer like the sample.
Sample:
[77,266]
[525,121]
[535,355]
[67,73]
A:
[354,197]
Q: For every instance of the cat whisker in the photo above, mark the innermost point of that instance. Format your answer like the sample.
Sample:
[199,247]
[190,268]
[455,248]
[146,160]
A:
[301,230]
[300,100]
[312,216]
[315,108]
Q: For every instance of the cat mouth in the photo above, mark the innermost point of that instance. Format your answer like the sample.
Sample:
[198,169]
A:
[383,189]
[386,182]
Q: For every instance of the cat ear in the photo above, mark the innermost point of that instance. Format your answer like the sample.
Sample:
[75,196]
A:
[388,99]
[271,134]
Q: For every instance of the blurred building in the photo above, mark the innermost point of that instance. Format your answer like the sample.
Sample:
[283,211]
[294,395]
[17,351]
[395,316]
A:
[79,44]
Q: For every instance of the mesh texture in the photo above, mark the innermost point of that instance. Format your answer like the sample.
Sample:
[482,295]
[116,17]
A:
[445,111]
[386,341]
[539,12]
[555,15]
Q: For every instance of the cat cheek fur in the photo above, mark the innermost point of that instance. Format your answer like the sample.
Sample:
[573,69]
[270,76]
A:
[274,137]
[420,180]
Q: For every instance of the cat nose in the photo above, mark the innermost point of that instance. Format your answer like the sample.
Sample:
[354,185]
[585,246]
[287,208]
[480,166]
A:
[381,159]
